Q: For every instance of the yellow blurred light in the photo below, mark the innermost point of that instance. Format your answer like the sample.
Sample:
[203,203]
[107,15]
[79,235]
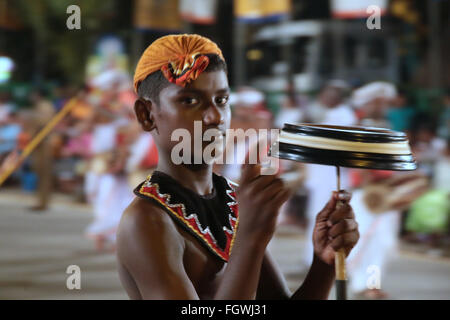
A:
[254,54]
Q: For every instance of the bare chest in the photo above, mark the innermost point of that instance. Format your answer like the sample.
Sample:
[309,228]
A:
[203,269]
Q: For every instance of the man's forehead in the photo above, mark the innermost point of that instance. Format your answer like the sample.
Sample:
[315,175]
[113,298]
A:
[215,81]
[201,90]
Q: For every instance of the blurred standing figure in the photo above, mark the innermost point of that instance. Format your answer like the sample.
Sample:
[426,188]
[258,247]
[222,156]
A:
[291,108]
[330,106]
[373,101]
[292,212]
[42,156]
[102,187]
[250,112]
[379,229]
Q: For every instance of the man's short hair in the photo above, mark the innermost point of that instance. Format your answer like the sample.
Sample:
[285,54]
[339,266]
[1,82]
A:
[152,85]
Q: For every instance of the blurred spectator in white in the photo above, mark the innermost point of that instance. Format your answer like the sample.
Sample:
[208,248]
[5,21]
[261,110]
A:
[292,212]
[291,108]
[104,186]
[373,101]
[378,212]
[330,107]
[117,150]
[249,112]
[378,197]
[143,155]
[122,168]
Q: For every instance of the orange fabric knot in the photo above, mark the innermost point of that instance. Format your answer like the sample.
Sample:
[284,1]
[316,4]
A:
[181,58]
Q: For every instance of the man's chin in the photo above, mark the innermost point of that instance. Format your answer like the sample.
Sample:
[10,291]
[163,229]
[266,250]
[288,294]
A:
[196,167]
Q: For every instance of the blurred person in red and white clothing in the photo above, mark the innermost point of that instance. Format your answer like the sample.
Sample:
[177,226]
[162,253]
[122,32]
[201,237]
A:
[249,112]
[379,197]
[120,155]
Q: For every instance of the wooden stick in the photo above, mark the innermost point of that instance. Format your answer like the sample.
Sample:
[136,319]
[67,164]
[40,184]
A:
[339,260]
[38,138]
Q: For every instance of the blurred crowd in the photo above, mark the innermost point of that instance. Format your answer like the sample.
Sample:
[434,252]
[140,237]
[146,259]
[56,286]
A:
[413,206]
[98,153]
[95,153]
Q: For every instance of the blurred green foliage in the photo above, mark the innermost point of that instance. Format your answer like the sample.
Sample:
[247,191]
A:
[62,49]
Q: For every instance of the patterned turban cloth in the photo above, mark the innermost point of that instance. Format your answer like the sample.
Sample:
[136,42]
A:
[181,58]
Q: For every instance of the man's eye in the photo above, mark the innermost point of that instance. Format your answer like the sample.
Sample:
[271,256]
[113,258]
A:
[189,101]
[222,100]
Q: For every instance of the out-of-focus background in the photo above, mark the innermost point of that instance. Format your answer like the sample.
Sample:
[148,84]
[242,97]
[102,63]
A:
[381,63]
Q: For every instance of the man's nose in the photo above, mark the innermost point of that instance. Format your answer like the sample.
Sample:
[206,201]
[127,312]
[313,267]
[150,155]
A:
[212,115]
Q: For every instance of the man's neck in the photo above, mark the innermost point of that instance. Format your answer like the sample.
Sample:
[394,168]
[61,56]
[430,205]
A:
[198,178]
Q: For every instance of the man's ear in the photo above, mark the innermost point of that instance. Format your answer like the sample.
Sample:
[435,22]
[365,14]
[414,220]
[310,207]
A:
[143,109]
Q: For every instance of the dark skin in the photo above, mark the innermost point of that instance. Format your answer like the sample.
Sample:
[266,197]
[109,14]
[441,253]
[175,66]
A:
[159,260]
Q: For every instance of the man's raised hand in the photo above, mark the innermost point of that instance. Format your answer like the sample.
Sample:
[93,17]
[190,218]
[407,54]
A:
[260,198]
[335,228]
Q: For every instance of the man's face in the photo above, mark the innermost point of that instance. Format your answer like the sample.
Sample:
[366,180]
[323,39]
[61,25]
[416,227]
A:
[204,100]
[330,97]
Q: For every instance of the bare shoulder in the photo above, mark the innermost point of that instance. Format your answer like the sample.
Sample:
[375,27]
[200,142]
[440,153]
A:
[144,223]
[150,251]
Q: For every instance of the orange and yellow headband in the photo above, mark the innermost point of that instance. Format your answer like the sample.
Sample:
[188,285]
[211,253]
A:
[181,58]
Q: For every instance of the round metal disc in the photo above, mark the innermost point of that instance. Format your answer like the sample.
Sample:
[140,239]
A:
[364,160]
[349,162]
[360,134]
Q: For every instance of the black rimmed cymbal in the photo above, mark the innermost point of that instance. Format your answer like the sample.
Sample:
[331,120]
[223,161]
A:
[353,159]
[347,133]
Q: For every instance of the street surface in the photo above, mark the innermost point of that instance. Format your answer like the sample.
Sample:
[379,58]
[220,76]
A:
[37,248]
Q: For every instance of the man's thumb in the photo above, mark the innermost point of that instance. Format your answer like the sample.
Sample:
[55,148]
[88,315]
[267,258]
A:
[328,209]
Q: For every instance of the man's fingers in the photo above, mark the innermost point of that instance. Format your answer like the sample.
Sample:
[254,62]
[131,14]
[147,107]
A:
[342,227]
[328,209]
[250,170]
[346,240]
[264,182]
[275,187]
[344,211]
[343,196]
[281,196]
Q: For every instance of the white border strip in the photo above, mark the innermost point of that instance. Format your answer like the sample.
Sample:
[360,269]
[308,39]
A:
[342,145]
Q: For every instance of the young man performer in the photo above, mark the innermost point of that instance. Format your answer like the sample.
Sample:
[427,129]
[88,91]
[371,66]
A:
[183,236]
